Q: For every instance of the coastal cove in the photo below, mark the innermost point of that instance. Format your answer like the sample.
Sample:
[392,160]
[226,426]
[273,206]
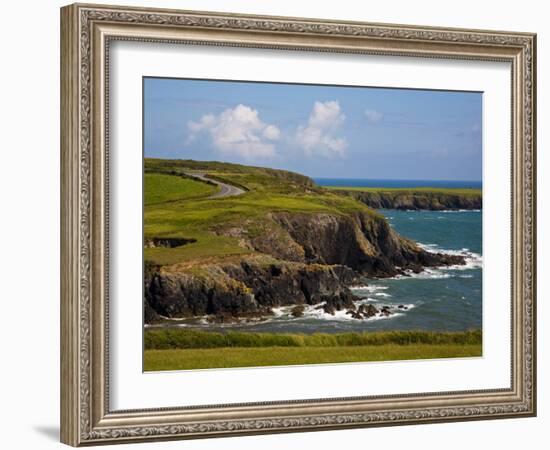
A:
[436,299]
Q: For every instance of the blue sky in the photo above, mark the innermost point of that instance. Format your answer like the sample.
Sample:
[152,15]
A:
[320,131]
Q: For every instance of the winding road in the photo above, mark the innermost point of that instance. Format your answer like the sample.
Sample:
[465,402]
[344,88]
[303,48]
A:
[226,190]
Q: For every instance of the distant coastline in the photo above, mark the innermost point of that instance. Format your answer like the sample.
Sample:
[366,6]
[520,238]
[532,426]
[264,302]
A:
[434,195]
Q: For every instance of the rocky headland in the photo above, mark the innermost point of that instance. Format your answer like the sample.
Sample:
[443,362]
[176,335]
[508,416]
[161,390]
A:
[294,258]
[417,200]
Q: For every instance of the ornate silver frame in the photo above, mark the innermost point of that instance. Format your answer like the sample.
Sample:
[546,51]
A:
[86,31]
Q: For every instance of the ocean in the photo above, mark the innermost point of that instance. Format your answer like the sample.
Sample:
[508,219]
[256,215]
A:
[442,299]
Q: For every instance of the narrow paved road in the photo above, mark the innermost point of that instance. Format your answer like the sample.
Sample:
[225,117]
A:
[226,190]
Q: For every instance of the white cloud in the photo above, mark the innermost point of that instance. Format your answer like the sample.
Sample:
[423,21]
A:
[373,116]
[238,131]
[319,138]
[271,132]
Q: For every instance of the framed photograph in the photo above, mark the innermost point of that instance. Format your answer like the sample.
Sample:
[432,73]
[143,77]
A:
[278,224]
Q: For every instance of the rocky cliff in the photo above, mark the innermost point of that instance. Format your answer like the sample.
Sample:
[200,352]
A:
[416,200]
[249,287]
[362,241]
[299,258]
[283,241]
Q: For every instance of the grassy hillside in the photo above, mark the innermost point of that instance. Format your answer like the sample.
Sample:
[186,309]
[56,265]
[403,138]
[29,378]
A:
[160,188]
[249,177]
[178,206]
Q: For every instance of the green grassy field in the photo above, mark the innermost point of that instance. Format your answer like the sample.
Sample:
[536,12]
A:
[161,188]
[180,349]
[463,192]
[186,359]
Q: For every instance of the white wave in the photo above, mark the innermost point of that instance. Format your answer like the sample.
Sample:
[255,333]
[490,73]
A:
[366,300]
[359,287]
[314,312]
[317,312]
[343,316]
[381,294]
[382,316]
[186,321]
[473,260]
[368,288]
[280,311]
[427,247]
[175,319]
[432,274]
[450,211]
[201,321]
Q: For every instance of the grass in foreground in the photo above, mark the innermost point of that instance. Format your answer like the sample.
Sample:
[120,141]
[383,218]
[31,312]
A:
[187,359]
[177,338]
[180,349]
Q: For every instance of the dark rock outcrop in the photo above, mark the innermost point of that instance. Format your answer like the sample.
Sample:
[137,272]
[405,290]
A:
[298,311]
[248,288]
[180,294]
[361,241]
[283,283]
